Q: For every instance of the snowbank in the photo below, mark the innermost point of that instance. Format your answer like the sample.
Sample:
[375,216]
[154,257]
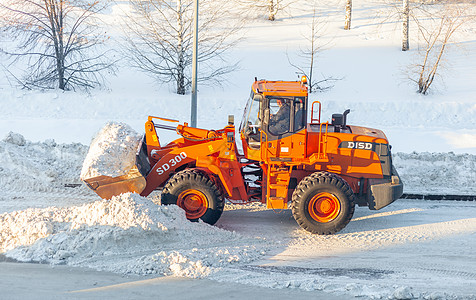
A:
[112,152]
[127,234]
[42,166]
[15,139]
[437,173]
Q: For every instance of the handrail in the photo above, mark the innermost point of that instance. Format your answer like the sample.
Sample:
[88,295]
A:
[322,144]
[312,113]
[261,132]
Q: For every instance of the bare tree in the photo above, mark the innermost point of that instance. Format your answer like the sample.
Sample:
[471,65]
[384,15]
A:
[309,54]
[395,12]
[403,12]
[270,7]
[437,25]
[159,40]
[58,41]
[274,6]
[348,14]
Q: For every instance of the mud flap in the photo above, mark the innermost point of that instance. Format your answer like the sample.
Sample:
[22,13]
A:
[382,194]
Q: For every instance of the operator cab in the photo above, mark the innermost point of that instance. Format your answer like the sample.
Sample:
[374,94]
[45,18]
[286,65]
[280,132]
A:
[274,117]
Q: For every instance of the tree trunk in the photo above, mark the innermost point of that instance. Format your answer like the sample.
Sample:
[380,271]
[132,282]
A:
[180,76]
[272,10]
[60,70]
[313,50]
[348,14]
[62,83]
[405,26]
[180,82]
[55,16]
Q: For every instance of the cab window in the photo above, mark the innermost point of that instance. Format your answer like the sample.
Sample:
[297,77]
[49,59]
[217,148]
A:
[280,115]
[299,113]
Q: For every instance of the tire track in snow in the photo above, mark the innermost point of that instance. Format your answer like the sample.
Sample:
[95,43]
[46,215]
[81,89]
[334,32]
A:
[306,245]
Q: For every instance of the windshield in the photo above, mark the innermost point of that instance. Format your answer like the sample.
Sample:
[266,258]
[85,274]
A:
[251,115]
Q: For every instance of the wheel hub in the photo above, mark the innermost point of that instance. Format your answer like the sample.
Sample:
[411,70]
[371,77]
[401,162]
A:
[194,203]
[324,207]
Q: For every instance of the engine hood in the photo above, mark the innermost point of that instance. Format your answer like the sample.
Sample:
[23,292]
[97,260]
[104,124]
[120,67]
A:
[368,131]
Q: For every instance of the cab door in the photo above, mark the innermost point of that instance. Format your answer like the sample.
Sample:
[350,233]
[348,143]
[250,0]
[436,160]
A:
[285,126]
[298,127]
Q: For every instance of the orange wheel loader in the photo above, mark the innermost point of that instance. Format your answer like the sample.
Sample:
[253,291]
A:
[320,170]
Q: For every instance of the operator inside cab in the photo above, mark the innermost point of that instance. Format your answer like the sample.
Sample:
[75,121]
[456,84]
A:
[286,115]
[279,120]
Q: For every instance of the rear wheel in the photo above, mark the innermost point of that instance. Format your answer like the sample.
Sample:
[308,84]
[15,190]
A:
[196,194]
[323,203]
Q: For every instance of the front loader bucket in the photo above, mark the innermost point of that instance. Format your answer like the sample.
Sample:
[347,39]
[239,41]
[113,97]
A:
[107,187]
[134,181]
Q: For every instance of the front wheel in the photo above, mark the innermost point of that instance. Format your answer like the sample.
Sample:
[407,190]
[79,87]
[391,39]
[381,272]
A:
[323,203]
[196,194]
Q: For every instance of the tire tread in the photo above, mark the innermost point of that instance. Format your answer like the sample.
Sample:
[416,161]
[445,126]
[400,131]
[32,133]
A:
[311,181]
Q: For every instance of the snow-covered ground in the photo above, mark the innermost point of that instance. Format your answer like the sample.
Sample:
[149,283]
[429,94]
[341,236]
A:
[412,249]
[409,250]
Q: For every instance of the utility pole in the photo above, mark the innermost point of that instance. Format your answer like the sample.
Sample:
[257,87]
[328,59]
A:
[193,117]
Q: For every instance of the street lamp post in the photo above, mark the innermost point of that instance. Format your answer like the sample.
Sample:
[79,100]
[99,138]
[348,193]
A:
[193,117]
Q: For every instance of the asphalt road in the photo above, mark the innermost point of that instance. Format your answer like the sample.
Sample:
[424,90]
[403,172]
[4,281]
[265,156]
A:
[37,281]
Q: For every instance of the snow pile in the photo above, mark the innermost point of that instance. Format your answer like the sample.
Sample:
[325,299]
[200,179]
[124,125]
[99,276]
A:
[126,211]
[15,139]
[43,166]
[127,234]
[112,152]
[440,173]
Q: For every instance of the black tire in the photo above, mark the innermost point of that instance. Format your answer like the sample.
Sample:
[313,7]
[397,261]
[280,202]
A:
[195,193]
[323,203]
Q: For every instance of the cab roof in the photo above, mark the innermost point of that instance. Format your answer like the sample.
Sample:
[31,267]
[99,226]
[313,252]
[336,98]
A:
[280,88]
